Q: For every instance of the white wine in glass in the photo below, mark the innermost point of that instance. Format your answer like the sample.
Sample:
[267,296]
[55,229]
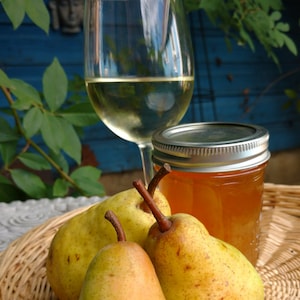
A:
[139,69]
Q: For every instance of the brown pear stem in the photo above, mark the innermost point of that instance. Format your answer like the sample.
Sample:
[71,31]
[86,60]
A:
[162,172]
[163,222]
[113,219]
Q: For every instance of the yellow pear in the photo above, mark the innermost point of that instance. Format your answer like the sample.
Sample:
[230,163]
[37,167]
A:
[121,271]
[191,264]
[80,238]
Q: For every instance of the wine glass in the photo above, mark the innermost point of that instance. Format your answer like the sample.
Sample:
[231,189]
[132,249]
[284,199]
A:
[139,68]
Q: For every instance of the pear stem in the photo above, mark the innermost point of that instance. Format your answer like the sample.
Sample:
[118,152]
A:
[113,219]
[163,222]
[162,172]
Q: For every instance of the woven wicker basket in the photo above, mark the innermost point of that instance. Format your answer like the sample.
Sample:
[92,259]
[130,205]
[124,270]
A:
[22,264]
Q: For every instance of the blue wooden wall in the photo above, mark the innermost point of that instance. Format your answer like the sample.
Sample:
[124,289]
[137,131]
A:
[229,85]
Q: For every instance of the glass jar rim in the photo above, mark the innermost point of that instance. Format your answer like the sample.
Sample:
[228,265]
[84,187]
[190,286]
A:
[211,146]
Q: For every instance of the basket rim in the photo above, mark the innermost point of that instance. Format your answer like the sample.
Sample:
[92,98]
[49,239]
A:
[281,212]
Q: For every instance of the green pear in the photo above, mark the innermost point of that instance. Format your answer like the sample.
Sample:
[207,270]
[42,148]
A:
[191,264]
[76,242]
[121,271]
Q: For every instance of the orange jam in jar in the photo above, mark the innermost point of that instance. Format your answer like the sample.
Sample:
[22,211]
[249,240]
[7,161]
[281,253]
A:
[217,176]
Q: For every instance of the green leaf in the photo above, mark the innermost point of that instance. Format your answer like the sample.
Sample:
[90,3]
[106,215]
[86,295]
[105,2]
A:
[9,193]
[30,183]
[32,121]
[70,142]
[6,137]
[279,38]
[52,132]
[87,178]
[246,37]
[81,114]
[27,95]
[291,94]
[7,134]
[8,152]
[191,5]
[55,85]
[15,10]
[58,135]
[88,172]
[34,161]
[275,16]
[91,188]
[60,188]
[290,45]
[210,5]
[271,4]
[4,180]
[284,27]
[60,160]
[22,104]
[38,13]
[81,119]
[4,80]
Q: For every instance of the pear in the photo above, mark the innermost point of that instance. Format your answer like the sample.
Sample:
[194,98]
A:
[77,241]
[121,271]
[191,264]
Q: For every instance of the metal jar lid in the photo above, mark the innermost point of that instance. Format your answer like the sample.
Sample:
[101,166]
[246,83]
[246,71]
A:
[211,146]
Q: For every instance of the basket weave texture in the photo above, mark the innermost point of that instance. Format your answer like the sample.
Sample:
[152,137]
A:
[22,264]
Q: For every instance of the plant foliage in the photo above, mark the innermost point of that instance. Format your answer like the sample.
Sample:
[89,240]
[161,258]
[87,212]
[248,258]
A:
[245,21]
[36,10]
[49,120]
[41,131]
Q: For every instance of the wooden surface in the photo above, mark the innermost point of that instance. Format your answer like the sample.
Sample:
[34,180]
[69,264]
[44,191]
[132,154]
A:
[229,85]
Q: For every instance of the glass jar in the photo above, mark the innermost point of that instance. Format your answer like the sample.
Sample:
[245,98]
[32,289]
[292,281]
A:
[217,176]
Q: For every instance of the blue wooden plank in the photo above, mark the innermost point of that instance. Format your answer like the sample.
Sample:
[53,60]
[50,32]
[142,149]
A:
[98,132]
[116,155]
[33,74]
[28,51]
[270,109]
[254,79]
[284,135]
[35,47]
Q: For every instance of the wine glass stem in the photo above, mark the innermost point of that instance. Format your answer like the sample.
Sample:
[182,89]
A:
[146,156]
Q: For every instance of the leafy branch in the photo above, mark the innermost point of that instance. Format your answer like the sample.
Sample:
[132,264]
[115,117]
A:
[41,131]
[243,20]
[36,10]
[49,117]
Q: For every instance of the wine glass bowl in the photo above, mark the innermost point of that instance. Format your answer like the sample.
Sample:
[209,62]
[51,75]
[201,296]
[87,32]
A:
[139,69]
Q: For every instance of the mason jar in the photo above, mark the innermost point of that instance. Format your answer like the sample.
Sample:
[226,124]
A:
[217,176]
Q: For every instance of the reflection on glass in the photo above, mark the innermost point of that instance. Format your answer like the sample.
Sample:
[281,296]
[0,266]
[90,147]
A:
[138,67]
